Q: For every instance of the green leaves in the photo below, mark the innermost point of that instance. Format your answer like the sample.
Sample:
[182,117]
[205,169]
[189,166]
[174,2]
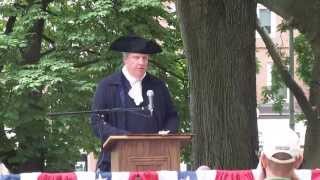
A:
[138,4]
[276,93]
[75,55]
[8,42]
[305,58]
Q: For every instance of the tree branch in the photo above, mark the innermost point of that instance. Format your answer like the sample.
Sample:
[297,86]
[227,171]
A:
[48,39]
[32,53]
[10,24]
[288,80]
[51,13]
[45,4]
[80,65]
[47,52]
[279,7]
[52,42]
[158,65]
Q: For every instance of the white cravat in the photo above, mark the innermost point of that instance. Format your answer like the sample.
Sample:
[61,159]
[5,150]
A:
[136,87]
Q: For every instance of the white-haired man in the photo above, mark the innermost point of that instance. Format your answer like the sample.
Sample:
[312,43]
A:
[128,89]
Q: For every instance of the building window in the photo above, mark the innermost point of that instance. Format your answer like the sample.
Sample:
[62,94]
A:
[265,19]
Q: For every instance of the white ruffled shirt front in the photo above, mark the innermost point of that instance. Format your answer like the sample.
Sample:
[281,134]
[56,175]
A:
[136,86]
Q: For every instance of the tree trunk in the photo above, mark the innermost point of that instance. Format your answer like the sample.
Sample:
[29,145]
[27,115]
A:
[311,146]
[312,138]
[31,54]
[219,41]
[10,24]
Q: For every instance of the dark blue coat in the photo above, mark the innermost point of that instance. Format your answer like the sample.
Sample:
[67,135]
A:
[112,92]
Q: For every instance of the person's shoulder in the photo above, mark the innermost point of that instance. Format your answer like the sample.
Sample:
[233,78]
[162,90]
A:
[114,78]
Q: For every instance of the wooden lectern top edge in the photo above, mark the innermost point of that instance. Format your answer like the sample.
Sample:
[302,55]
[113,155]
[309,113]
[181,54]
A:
[128,137]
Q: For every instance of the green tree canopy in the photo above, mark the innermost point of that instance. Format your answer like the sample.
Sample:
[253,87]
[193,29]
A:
[52,54]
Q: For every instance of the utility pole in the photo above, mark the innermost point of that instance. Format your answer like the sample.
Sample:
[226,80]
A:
[291,70]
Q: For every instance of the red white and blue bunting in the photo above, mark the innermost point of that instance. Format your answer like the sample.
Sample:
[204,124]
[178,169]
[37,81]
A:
[302,174]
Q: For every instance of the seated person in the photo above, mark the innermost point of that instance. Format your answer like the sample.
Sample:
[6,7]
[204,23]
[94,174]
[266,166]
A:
[281,155]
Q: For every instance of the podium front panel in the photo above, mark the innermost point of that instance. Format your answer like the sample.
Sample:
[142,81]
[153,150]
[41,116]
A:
[141,153]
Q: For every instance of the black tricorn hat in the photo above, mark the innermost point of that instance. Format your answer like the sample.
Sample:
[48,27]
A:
[135,44]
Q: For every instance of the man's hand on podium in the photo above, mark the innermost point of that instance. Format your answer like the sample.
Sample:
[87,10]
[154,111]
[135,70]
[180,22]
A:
[164,132]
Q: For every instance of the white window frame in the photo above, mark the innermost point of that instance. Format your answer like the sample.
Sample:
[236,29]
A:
[273,28]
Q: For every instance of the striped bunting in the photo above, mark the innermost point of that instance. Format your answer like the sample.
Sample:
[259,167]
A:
[303,174]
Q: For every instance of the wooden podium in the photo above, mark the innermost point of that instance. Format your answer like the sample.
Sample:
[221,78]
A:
[140,152]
